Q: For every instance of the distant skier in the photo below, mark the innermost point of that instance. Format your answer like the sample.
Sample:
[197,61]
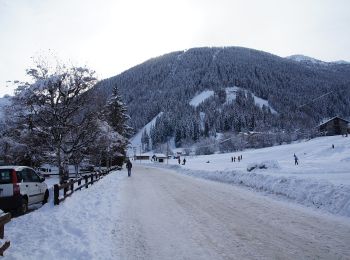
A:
[333,146]
[296,160]
[179,160]
[184,161]
[129,166]
[232,159]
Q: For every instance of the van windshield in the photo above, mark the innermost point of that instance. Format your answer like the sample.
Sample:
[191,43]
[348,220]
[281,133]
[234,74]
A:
[5,176]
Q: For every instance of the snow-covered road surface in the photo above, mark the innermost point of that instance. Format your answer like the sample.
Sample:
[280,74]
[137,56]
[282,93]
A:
[166,215]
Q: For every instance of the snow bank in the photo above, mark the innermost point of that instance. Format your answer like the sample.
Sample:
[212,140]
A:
[82,227]
[315,193]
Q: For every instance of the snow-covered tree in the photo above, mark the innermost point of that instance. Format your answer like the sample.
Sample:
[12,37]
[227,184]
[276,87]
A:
[109,146]
[145,140]
[116,114]
[54,106]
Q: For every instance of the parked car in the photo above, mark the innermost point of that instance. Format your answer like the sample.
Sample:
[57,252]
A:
[21,186]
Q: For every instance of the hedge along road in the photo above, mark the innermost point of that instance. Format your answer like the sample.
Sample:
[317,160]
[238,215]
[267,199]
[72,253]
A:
[166,215]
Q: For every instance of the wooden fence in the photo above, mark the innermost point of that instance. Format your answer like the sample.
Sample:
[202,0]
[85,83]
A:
[73,185]
[5,218]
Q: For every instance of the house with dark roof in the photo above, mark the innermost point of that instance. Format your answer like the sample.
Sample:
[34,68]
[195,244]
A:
[334,126]
[144,157]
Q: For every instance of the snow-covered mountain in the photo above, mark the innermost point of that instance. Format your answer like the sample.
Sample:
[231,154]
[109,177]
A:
[195,88]
[303,58]
[341,62]
[310,60]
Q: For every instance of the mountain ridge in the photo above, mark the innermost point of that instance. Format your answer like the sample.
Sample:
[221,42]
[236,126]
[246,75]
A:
[167,84]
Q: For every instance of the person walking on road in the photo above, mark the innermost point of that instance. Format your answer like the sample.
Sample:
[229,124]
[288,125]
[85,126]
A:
[129,166]
[296,160]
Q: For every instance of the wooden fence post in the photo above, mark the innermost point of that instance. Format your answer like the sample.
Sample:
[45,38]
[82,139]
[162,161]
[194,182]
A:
[72,185]
[65,189]
[86,181]
[56,194]
[3,220]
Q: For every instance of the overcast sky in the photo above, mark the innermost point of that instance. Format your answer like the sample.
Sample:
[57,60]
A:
[111,36]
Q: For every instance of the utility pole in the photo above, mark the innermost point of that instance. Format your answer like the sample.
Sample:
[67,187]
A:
[140,154]
[167,151]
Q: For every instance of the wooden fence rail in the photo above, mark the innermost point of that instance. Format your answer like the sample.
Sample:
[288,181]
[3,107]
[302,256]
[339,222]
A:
[69,187]
[5,218]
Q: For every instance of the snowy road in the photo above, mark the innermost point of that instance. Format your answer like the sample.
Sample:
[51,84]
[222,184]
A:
[165,215]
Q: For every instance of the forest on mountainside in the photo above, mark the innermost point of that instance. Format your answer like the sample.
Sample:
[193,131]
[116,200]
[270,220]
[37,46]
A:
[168,83]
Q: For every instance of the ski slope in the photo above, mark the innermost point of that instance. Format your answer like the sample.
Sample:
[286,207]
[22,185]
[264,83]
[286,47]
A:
[201,97]
[135,142]
[231,93]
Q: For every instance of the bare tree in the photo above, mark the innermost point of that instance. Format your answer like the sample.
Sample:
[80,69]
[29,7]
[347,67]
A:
[54,107]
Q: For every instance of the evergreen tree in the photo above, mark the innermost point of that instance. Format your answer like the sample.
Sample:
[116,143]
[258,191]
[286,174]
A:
[116,114]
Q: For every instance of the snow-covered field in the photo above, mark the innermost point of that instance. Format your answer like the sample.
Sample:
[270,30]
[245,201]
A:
[321,180]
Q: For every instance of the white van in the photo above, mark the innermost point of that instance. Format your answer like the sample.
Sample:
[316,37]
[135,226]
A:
[21,186]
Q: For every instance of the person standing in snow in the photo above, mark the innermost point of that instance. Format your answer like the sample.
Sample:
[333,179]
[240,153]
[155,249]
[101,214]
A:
[129,166]
[231,159]
[179,160]
[184,161]
[295,160]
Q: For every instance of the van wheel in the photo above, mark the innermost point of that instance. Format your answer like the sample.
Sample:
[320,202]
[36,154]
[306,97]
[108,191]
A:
[46,197]
[24,206]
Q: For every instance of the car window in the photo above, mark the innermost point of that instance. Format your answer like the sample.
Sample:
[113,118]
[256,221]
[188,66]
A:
[35,177]
[5,176]
[19,176]
[26,175]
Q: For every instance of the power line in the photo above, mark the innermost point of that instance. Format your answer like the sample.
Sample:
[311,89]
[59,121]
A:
[321,96]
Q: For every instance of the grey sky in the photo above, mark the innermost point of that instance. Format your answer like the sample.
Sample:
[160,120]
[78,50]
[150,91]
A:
[111,36]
